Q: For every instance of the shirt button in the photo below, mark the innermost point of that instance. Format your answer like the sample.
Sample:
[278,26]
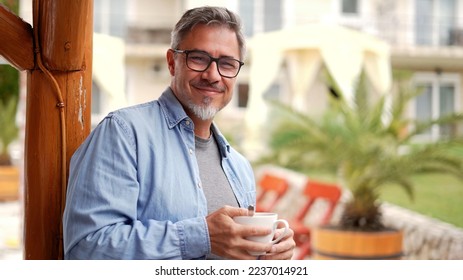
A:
[191,151]
[199,185]
[187,123]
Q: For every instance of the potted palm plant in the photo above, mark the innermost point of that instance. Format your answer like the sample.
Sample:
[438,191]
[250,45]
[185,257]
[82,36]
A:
[368,145]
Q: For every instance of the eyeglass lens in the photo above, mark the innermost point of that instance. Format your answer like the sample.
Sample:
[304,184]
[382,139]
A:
[200,61]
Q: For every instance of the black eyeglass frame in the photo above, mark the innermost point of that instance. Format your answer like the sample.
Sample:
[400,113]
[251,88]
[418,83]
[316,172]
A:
[212,59]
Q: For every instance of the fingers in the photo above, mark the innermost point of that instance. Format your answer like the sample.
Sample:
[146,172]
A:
[289,233]
[242,230]
[228,238]
[284,249]
[233,211]
[249,231]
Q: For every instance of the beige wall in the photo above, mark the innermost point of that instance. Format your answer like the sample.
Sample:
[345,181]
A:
[145,81]
[142,13]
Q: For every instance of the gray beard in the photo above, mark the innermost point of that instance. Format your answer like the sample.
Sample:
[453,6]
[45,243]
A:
[204,111]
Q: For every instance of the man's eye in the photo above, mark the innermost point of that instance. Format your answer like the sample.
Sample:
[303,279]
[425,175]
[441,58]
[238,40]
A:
[228,64]
[199,58]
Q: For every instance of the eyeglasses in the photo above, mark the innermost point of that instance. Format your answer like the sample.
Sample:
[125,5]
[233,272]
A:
[199,61]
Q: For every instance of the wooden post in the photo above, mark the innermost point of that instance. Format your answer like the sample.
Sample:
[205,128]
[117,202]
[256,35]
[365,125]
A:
[59,89]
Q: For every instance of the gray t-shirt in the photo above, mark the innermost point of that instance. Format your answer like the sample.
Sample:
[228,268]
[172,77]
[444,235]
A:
[214,182]
[215,185]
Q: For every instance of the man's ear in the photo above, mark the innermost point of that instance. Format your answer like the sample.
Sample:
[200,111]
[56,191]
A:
[170,62]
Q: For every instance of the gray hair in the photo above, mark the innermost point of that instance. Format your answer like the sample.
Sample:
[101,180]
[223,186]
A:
[208,15]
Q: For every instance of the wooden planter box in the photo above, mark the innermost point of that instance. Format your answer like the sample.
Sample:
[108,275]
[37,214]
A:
[9,183]
[332,243]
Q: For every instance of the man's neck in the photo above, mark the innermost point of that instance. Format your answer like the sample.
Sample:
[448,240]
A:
[203,129]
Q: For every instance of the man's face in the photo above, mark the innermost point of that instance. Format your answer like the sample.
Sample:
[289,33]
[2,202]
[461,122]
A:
[203,94]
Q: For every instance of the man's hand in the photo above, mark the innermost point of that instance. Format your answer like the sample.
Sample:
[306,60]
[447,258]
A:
[228,238]
[284,249]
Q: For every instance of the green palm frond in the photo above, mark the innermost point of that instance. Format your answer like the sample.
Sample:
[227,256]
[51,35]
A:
[369,144]
[9,97]
[9,130]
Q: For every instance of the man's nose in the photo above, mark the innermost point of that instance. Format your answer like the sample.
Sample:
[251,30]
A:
[212,72]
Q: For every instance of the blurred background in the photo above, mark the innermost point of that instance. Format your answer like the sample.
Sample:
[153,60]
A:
[292,44]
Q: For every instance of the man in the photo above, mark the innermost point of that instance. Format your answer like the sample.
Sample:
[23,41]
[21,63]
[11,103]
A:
[158,180]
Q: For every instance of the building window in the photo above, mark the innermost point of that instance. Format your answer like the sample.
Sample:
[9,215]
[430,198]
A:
[272,15]
[243,95]
[435,22]
[350,7]
[110,17]
[246,10]
[261,16]
[438,98]
[446,107]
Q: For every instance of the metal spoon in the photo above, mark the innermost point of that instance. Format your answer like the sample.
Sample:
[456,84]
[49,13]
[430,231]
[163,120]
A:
[251,210]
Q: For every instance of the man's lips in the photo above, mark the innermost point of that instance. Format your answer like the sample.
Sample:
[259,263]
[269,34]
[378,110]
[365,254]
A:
[208,90]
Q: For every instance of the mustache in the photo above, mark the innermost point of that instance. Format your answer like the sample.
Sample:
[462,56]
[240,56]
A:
[207,84]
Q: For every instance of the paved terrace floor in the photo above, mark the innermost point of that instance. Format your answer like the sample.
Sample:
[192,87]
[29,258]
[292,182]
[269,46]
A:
[10,229]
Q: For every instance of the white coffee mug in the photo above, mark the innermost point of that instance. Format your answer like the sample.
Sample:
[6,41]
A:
[263,219]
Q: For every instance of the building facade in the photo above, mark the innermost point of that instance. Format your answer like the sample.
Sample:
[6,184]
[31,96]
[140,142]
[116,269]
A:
[425,37]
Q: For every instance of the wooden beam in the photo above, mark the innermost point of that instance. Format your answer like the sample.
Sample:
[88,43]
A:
[44,181]
[16,40]
[64,37]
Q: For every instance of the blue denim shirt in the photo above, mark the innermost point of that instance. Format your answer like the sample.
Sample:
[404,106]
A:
[134,188]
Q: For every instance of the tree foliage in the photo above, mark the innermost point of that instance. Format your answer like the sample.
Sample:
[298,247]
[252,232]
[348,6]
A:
[9,96]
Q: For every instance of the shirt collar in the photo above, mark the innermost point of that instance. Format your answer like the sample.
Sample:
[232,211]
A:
[223,144]
[171,108]
[174,114]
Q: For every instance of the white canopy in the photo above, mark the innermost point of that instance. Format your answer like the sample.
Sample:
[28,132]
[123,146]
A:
[304,49]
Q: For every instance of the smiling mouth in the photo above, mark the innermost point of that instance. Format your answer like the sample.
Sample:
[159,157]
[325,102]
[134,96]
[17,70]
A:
[208,90]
